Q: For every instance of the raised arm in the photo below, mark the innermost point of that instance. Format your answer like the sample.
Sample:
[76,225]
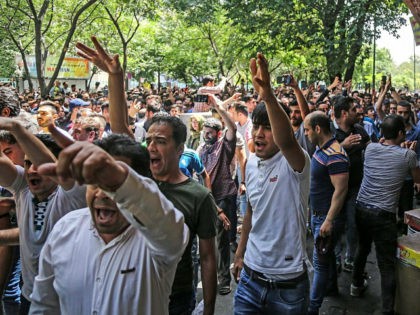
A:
[279,121]
[378,105]
[230,124]
[118,112]
[135,195]
[34,149]
[303,104]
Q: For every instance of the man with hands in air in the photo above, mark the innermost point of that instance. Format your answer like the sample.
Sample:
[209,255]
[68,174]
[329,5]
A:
[271,255]
[119,255]
[165,142]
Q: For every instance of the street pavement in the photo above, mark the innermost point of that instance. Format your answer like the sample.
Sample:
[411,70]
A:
[343,304]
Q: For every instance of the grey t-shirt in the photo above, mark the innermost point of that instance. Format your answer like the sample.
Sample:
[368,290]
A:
[304,141]
[384,171]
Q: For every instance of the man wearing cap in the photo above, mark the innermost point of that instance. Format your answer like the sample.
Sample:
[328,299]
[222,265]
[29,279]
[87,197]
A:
[329,180]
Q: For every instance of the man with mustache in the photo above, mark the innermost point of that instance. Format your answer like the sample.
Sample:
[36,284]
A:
[119,255]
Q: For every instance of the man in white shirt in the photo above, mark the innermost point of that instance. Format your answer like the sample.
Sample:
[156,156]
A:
[116,256]
[272,249]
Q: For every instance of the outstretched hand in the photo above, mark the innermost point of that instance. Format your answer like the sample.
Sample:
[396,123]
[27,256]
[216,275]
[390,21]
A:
[261,76]
[100,57]
[84,162]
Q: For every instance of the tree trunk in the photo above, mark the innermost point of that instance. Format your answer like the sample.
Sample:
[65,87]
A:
[356,44]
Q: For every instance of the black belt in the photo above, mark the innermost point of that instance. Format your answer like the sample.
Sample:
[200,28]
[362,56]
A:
[274,284]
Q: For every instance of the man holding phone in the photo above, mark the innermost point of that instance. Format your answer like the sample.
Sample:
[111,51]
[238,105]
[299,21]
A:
[201,100]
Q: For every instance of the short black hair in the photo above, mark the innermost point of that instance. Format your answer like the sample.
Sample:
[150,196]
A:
[207,79]
[260,115]
[369,108]
[342,103]
[404,103]
[240,108]
[50,143]
[213,123]
[247,97]
[391,126]
[293,102]
[153,107]
[320,119]
[122,145]
[179,130]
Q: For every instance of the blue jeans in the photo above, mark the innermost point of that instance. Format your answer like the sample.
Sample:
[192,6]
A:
[349,213]
[253,298]
[242,200]
[324,273]
[382,230]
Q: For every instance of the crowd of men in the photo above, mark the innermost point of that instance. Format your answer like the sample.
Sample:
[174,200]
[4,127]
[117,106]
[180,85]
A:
[113,202]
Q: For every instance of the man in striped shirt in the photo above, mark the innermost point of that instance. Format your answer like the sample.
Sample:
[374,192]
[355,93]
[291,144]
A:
[329,183]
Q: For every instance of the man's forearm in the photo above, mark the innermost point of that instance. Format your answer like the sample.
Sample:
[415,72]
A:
[230,124]
[208,276]
[6,255]
[118,112]
[246,228]
[337,203]
[9,237]
[36,151]
[303,104]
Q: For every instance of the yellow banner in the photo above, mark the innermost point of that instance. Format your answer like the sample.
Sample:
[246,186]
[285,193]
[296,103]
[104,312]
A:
[72,68]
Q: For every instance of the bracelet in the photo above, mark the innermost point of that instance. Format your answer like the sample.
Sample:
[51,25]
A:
[242,183]
[219,212]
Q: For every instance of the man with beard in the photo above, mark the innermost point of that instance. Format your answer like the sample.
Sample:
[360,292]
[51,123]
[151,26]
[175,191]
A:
[116,256]
[354,139]
[298,111]
[47,114]
[217,154]
[412,135]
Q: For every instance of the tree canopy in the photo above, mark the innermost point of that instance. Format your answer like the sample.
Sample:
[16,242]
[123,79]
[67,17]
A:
[187,39]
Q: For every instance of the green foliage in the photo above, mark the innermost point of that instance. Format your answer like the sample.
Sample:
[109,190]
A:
[187,39]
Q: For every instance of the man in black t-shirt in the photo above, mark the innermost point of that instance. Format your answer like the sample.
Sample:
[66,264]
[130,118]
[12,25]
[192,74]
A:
[354,139]
[165,142]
